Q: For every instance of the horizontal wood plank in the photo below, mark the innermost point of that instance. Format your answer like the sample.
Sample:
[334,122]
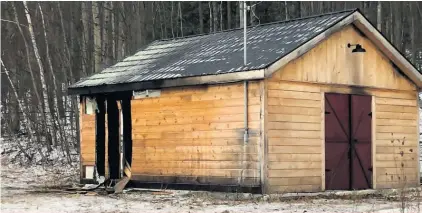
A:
[396,129]
[194,164]
[294,149]
[294,118]
[294,157]
[252,141]
[294,181]
[294,134]
[290,110]
[198,172]
[294,141]
[294,165]
[396,150]
[293,102]
[393,101]
[398,164]
[390,122]
[293,126]
[293,95]
[396,157]
[397,115]
[194,156]
[395,108]
[294,173]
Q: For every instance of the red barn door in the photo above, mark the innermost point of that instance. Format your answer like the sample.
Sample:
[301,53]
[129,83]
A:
[348,163]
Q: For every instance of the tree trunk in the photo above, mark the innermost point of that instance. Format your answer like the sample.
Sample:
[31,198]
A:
[57,121]
[229,16]
[201,18]
[107,34]
[379,9]
[97,36]
[181,18]
[50,130]
[215,15]
[312,8]
[28,57]
[398,26]
[252,14]
[121,43]
[221,15]
[413,33]
[241,19]
[210,21]
[171,20]
[85,38]
[113,32]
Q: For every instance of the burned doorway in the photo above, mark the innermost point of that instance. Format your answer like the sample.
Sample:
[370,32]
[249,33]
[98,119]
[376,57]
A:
[348,157]
[118,140]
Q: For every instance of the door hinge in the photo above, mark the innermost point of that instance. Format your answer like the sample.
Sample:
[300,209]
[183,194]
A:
[370,114]
[327,112]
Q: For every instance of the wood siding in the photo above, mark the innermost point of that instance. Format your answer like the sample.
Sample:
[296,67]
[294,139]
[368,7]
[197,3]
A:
[88,139]
[296,121]
[195,134]
[332,62]
[294,137]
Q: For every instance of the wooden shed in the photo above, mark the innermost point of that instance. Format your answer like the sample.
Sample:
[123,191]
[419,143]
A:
[324,103]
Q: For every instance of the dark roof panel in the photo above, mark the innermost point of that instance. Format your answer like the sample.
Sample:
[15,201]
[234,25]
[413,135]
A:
[214,53]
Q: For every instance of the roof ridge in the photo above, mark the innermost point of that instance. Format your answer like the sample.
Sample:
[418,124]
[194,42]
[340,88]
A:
[260,25]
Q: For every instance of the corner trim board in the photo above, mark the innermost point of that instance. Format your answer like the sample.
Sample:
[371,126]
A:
[374,141]
[322,141]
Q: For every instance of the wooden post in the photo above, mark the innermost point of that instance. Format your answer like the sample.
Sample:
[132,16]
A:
[263,146]
[374,143]
[322,141]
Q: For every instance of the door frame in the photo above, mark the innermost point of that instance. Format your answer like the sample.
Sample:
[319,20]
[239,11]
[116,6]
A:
[373,135]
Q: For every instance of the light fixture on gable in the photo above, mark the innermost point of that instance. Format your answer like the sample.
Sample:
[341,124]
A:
[358,48]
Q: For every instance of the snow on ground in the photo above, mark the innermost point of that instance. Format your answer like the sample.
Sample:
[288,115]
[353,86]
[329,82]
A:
[40,188]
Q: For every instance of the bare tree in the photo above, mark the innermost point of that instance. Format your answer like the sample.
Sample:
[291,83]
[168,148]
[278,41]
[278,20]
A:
[201,18]
[50,129]
[210,21]
[379,10]
[229,16]
[97,36]
[86,11]
[180,18]
[215,16]
[241,18]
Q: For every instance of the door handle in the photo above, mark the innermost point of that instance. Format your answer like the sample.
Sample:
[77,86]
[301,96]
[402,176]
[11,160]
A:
[328,170]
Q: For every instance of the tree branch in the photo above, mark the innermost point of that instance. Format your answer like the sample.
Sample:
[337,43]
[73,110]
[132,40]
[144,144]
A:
[14,22]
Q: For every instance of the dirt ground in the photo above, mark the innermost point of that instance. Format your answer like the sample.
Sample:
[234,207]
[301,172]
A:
[37,189]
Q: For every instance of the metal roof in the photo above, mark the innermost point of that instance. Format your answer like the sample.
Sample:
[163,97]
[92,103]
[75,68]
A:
[213,53]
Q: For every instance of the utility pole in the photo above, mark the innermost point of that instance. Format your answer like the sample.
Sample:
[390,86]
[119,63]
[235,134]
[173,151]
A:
[245,8]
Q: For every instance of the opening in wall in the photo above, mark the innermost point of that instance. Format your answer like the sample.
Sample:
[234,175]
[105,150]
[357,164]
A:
[88,172]
[90,106]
